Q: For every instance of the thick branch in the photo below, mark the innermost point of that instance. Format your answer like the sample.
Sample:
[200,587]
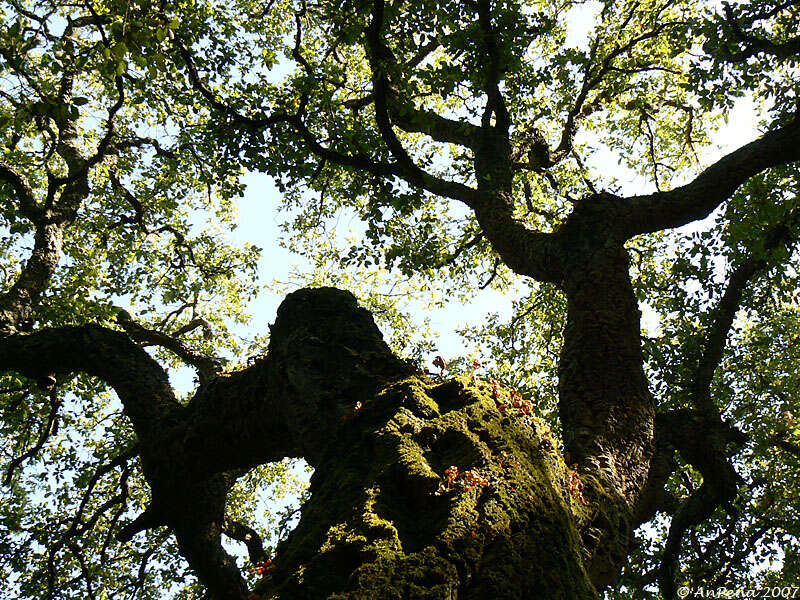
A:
[140,382]
[435,126]
[716,338]
[248,536]
[361,162]
[495,104]
[707,452]
[22,189]
[325,354]
[18,303]
[698,198]
[701,442]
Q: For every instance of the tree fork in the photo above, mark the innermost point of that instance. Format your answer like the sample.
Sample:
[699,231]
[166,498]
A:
[421,489]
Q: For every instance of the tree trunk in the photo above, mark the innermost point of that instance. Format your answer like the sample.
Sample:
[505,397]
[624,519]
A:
[421,489]
[390,517]
[605,405]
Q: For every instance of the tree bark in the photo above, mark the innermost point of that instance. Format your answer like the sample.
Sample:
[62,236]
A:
[389,518]
[605,405]
[422,488]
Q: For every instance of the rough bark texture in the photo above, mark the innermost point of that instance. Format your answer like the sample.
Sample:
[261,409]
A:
[383,522]
[431,489]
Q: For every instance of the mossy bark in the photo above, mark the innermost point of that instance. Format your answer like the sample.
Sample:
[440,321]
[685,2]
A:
[423,489]
[386,522]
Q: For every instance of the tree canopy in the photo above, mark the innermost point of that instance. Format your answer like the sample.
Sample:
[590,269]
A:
[561,154]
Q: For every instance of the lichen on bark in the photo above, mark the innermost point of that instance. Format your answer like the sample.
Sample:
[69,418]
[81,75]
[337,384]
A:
[385,521]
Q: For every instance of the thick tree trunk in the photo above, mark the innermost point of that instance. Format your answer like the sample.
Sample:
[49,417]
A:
[426,489]
[606,408]
[422,488]
[432,490]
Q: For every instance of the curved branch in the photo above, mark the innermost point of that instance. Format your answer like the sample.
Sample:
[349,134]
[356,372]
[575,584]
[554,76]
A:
[45,432]
[251,123]
[707,451]
[379,57]
[701,442]
[207,367]
[698,198]
[248,536]
[139,381]
[148,519]
[434,185]
[27,201]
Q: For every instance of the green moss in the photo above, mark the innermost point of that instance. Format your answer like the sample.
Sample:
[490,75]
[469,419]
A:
[384,523]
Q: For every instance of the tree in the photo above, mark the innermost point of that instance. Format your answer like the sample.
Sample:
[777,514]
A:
[462,135]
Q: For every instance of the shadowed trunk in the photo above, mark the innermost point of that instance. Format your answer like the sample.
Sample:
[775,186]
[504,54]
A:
[422,488]
[606,408]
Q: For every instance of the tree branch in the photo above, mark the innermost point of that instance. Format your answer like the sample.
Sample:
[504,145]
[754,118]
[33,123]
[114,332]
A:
[47,429]
[207,367]
[540,155]
[755,45]
[496,104]
[725,311]
[407,169]
[139,381]
[250,123]
[707,452]
[440,187]
[248,536]
[701,442]
[698,198]
[18,303]
[785,445]
[325,354]
[27,201]
[435,126]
